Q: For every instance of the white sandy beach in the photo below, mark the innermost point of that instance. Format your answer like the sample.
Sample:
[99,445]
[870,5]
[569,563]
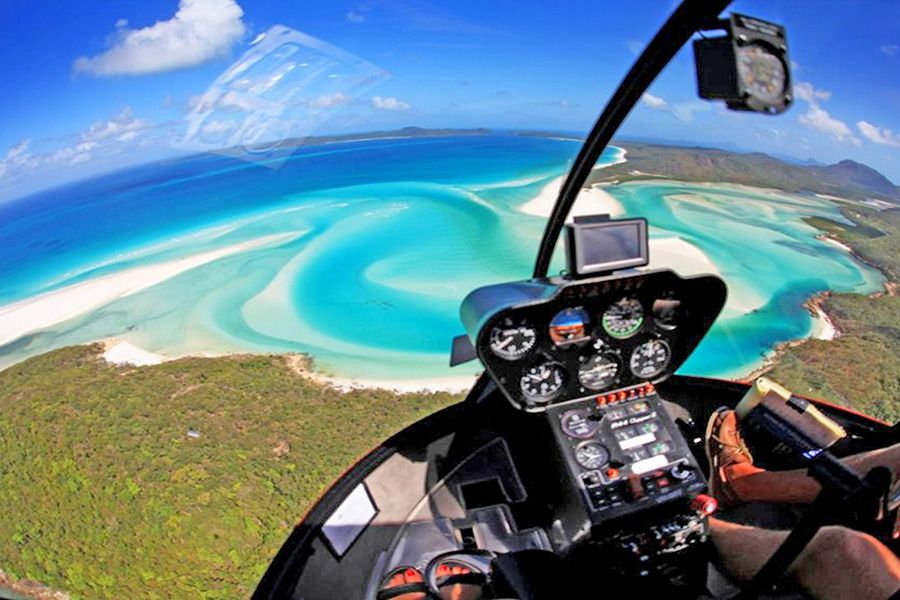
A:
[45,310]
[823,326]
[120,352]
[459,383]
[589,202]
[671,252]
[436,384]
[835,242]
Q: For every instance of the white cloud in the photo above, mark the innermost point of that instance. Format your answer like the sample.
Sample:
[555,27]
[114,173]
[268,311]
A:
[654,102]
[806,91]
[879,135]
[123,127]
[389,103]
[103,138]
[200,31]
[17,160]
[219,129]
[330,100]
[18,150]
[635,47]
[683,111]
[890,49]
[356,17]
[818,118]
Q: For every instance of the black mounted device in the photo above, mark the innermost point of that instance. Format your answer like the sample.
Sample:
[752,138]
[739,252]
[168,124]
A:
[748,67]
[597,245]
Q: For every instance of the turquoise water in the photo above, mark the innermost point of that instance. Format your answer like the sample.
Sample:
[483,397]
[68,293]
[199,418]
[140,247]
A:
[382,240]
[771,260]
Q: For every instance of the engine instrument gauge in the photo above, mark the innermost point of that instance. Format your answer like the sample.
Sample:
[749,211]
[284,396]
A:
[578,424]
[666,313]
[512,339]
[591,455]
[542,383]
[761,72]
[624,318]
[599,371]
[650,359]
[569,326]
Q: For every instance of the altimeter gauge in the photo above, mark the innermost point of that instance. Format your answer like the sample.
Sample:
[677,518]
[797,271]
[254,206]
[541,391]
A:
[650,359]
[624,318]
[512,339]
[541,383]
[599,372]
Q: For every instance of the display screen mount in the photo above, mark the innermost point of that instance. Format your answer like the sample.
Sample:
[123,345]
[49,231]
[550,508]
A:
[598,244]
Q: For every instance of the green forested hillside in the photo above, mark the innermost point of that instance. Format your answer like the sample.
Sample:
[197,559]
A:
[105,495]
[847,179]
[861,368]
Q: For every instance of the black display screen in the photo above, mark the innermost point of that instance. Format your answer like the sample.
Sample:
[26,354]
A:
[608,245]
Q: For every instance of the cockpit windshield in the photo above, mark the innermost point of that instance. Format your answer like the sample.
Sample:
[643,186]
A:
[210,178]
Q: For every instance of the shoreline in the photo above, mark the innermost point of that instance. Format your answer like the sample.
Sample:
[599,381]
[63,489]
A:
[824,329]
[303,366]
[123,353]
[45,310]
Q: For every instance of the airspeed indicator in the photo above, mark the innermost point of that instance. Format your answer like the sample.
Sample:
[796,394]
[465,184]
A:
[511,339]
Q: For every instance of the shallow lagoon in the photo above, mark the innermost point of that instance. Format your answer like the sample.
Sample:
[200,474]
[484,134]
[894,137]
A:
[365,249]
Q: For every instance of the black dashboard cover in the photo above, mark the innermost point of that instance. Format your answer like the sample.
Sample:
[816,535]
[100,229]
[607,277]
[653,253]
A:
[700,299]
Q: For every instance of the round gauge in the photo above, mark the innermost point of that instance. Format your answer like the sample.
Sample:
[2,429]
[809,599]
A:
[666,312]
[599,371]
[591,455]
[542,383]
[512,339]
[578,424]
[762,73]
[624,318]
[569,326]
[650,359]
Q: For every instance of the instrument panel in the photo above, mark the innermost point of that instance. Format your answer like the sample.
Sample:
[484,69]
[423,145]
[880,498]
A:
[625,455]
[559,340]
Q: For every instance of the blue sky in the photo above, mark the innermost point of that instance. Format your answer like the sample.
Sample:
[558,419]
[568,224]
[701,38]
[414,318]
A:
[92,86]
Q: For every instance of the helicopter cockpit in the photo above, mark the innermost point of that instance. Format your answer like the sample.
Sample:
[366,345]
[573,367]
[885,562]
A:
[576,466]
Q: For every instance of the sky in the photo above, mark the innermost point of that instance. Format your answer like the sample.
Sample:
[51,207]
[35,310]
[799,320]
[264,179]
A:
[94,86]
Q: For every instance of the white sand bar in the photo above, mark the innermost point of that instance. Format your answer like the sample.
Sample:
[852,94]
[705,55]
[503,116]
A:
[48,309]
[120,352]
[591,201]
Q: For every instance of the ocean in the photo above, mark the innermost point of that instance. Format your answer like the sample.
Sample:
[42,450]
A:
[359,253]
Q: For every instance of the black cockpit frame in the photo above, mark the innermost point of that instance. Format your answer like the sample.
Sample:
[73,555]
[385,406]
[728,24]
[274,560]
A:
[690,17]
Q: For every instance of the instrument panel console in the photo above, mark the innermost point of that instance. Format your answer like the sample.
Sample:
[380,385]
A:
[625,455]
[554,340]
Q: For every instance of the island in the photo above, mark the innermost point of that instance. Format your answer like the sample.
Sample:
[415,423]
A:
[130,478]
